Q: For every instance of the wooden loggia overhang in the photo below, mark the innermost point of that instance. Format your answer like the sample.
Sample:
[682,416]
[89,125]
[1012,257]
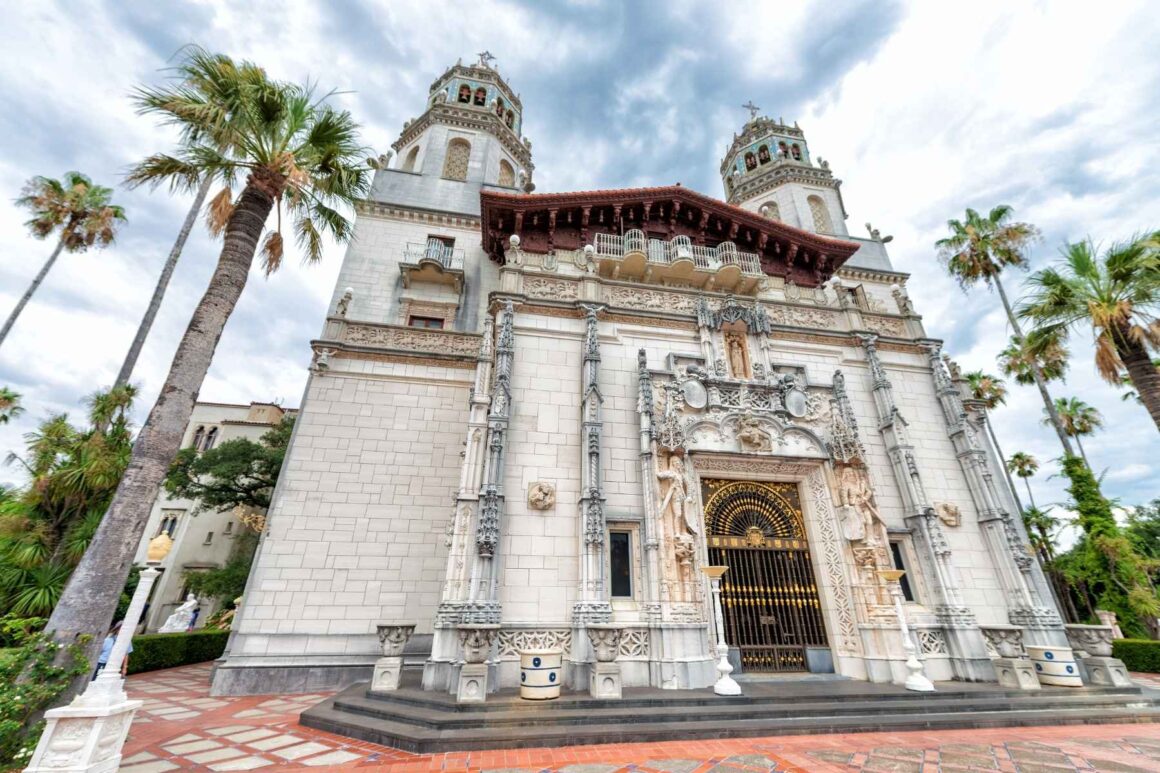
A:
[567,221]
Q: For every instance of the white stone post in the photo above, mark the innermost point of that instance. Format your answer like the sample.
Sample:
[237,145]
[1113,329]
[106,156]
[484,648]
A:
[725,684]
[916,680]
[86,736]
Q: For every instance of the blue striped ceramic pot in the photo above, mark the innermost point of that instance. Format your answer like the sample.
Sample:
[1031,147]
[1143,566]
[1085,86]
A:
[540,674]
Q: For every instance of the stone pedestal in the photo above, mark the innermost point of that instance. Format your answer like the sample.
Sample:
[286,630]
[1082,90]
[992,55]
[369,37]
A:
[83,739]
[388,672]
[1106,672]
[472,683]
[1018,673]
[604,681]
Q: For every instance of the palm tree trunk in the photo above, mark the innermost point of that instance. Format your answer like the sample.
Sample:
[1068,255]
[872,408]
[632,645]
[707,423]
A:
[1040,382]
[1030,496]
[1145,376]
[31,289]
[162,284]
[1003,462]
[1082,453]
[90,598]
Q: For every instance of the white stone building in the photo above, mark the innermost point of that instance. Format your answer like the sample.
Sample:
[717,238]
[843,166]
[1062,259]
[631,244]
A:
[202,538]
[548,410]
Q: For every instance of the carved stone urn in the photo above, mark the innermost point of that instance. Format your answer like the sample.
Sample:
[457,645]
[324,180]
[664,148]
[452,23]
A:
[476,641]
[393,638]
[605,641]
[1006,639]
[1095,640]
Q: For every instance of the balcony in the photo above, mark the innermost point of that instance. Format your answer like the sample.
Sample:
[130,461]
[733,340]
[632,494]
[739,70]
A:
[677,262]
[432,262]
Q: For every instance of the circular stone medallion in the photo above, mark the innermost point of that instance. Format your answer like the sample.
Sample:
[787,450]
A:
[795,403]
[694,394]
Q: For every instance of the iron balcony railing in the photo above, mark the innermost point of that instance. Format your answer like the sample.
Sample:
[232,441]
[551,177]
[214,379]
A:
[679,248]
[447,257]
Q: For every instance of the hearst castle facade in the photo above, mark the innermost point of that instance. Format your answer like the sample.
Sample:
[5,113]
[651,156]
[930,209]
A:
[549,411]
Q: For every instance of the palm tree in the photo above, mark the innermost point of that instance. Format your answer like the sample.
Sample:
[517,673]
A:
[991,392]
[208,82]
[288,148]
[1019,359]
[82,213]
[978,249]
[1126,383]
[1025,466]
[1079,419]
[10,406]
[1118,295]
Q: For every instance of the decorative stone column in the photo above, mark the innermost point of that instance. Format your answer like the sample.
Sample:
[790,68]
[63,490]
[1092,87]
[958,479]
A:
[968,652]
[1010,554]
[1092,645]
[476,640]
[604,679]
[1012,665]
[389,668]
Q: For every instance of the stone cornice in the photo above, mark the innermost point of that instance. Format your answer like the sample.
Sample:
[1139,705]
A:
[872,275]
[442,346]
[417,214]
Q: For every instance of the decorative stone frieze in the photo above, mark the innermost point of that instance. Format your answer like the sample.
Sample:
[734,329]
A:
[411,339]
[510,642]
[548,288]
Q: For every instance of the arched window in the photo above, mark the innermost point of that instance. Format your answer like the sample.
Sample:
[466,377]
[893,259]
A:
[210,438]
[750,161]
[796,150]
[198,436]
[499,106]
[783,150]
[465,94]
[412,157]
[763,154]
[770,210]
[820,214]
[455,164]
[507,175]
[510,119]
[481,96]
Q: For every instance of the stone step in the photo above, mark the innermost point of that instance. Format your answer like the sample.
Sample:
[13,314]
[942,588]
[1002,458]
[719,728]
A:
[413,738]
[437,717]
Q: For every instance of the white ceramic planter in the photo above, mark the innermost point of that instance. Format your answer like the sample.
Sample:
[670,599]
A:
[540,674]
[1055,666]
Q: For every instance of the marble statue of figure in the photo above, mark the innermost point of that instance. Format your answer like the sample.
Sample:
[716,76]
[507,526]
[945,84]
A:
[856,493]
[736,356]
[344,302]
[182,618]
[677,497]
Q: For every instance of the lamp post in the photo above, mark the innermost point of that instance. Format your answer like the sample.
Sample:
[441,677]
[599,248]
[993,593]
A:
[916,680]
[725,684]
[87,734]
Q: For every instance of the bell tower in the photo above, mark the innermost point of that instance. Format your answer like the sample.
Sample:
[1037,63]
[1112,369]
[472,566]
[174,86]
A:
[470,131]
[769,170]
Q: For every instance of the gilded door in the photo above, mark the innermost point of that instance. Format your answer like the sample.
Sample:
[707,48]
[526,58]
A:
[769,596]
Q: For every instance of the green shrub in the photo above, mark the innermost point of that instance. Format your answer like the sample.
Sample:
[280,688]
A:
[155,651]
[1138,654]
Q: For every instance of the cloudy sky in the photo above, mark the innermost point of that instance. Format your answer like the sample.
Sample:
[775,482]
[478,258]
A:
[922,109]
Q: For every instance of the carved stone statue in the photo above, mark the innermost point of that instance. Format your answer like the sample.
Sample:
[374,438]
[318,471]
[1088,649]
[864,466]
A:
[182,618]
[735,348]
[344,302]
[751,436]
[949,513]
[856,493]
[676,498]
[541,495]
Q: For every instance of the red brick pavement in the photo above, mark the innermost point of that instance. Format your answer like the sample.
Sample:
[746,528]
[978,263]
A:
[181,727]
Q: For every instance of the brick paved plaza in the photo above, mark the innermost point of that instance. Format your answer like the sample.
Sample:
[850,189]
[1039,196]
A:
[181,728]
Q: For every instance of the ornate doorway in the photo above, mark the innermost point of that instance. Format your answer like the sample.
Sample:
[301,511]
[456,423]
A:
[769,596]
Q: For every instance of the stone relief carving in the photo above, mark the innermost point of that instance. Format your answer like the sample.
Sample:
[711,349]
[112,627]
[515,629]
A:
[634,644]
[856,497]
[1006,641]
[509,643]
[889,326]
[1095,640]
[752,437]
[831,553]
[931,641]
[556,289]
[412,339]
[393,638]
[799,317]
[476,641]
[949,513]
[541,495]
[605,641]
[640,298]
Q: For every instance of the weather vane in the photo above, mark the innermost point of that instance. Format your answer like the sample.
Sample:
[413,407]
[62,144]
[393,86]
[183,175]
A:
[752,108]
[485,58]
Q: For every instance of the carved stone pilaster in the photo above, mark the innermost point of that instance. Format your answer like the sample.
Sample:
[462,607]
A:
[843,440]
[593,605]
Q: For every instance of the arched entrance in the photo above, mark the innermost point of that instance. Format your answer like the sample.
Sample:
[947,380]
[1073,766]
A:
[769,595]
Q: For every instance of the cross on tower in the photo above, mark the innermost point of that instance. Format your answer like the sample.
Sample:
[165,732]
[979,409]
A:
[485,58]
[752,108]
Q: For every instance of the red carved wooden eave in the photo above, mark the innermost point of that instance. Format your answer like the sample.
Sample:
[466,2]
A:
[568,221]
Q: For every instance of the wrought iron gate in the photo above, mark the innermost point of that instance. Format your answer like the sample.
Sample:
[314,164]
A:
[769,596]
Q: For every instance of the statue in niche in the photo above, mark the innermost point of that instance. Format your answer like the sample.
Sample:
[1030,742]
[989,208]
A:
[676,499]
[751,436]
[737,355]
[856,494]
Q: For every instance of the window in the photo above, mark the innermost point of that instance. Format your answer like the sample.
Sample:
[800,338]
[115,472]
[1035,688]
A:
[210,439]
[229,528]
[783,150]
[750,161]
[455,164]
[820,215]
[510,119]
[763,154]
[465,94]
[796,151]
[481,96]
[198,437]
[770,210]
[899,563]
[431,323]
[412,157]
[507,175]
[499,106]
[169,520]
[208,538]
[620,564]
